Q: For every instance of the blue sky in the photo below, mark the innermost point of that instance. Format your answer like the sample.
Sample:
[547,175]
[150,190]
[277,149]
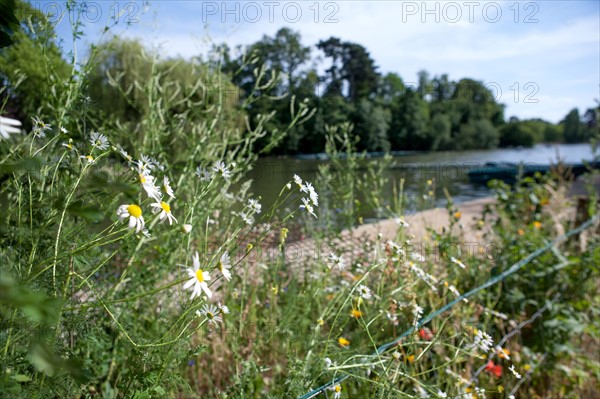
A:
[540,58]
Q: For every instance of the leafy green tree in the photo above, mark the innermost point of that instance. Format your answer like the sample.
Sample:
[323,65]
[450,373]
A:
[121,65]
[351,64]
[440,131]
[9,23]
[32,68]
[332,110]
[553,133]
[472,100]
[270,71]
[371,124]
[590,122]
[409,123]
[390,88]
[133,89]
[517,133]
[284,54]
[574,131]
[425,84]
[443,88]
[360,71]
[333,49]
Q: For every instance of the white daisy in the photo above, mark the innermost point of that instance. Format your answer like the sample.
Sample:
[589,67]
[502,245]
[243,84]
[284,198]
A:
[69,145]
[364,291]
[248,219]
[455,291]
[516,374]
[223,308]
[502,353]
[417,257]
[306,205]
[254,205]
[417,313]
[124,154]
[167,187]
[224,264]
[157,164]
[483,341]
[392,317]
[63,130]
[219,168]
[401,222]
[298,181]
[198,278]
[165,211]
[148,185]
[40,128]
[134,213]
[99,141]
[211,313]
[337,391]
[9,126]
[147,163]
[203,173]
[421,392]
[314,197]
[90,159]
[337,261]
[310,190]
[458,262]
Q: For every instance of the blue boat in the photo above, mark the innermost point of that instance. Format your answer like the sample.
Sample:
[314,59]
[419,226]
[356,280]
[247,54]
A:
[509,172]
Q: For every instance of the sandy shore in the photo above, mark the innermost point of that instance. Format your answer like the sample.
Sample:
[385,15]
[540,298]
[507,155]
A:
[432,218]
[350,241]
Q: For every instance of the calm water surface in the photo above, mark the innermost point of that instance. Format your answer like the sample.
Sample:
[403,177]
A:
[446,169]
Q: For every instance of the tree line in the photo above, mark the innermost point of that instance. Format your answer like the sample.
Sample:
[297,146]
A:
[342,83]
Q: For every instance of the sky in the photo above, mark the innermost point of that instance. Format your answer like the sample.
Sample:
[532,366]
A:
[540,58]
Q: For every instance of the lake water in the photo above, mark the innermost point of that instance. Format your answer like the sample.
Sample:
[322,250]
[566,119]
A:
[445,169]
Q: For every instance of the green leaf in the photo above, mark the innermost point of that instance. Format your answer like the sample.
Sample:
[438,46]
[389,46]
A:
[29,164]
[87,212]
[22,378]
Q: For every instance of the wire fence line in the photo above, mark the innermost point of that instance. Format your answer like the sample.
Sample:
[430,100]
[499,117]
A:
[537,314]
[500,277]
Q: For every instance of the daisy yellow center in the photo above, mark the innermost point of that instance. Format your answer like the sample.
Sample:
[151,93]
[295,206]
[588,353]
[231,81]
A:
[220,266]
[199,275]
[89,157]
[210,315]
[338,388]
[142,178]
[165,207]
[134,211]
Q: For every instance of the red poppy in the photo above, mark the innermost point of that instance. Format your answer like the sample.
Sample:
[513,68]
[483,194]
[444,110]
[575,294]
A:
[426,334]
[494,369]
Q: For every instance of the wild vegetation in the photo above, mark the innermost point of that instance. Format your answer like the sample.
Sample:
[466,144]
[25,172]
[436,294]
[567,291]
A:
[136,261]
